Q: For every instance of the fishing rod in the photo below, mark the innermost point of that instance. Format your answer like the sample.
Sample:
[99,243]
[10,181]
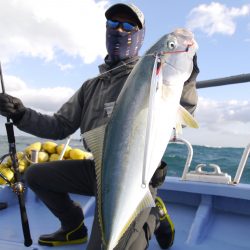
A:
[18,186]
[223,81]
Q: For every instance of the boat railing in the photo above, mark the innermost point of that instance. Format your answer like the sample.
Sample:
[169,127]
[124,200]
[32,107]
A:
[242,164]
[189,155]
[215,174]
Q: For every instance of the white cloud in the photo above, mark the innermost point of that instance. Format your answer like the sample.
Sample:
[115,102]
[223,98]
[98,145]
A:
[45,100]
[224,116]
[42,28]
[221,123]
[13,83]
[216,18]
[65,66]
[216,138]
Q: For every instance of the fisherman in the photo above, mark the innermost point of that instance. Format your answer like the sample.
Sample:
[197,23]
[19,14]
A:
[87,109]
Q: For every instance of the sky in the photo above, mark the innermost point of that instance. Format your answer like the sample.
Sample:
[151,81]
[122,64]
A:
[48,48]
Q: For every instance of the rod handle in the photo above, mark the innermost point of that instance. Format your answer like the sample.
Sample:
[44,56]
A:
[24,220]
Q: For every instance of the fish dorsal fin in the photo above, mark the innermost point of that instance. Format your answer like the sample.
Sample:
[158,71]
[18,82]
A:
[185,118]
[95,140]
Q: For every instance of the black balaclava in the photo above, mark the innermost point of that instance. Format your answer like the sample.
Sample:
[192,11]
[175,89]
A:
[123,45]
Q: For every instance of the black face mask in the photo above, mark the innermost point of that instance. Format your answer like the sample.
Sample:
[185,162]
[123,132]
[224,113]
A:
[123,45]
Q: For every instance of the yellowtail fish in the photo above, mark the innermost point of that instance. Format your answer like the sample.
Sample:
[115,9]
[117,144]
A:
[128,150]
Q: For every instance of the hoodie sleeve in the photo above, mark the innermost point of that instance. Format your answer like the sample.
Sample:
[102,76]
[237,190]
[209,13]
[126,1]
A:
[58,126]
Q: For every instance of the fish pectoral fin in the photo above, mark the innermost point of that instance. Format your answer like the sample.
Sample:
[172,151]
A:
[185,118]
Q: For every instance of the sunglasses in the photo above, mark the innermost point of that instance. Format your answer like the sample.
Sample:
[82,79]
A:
[124,25]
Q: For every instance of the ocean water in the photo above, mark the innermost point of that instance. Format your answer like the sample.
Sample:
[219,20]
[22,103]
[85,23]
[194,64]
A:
[227,158]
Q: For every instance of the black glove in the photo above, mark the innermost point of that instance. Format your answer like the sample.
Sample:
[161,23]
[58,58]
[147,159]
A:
[195,71]
[159,175]
[11,107]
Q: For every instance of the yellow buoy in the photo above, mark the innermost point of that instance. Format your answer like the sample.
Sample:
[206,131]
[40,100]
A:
[49,146]
[88,155]
[54,157]
[34,146]
[43,156]
[77,154]
[22,165]
[60,148]
[20,156]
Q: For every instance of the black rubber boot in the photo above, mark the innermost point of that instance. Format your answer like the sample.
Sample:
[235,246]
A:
[165,232]
[61,237]
[3,205]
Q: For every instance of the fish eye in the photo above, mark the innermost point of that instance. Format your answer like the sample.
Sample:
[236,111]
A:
[171,45]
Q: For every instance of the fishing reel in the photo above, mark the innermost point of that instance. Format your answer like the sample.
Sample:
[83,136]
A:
[18,187]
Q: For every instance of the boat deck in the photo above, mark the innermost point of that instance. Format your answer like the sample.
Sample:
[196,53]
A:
[206,216]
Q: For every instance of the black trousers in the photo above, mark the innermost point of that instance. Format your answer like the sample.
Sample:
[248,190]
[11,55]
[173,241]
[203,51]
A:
[53,181]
